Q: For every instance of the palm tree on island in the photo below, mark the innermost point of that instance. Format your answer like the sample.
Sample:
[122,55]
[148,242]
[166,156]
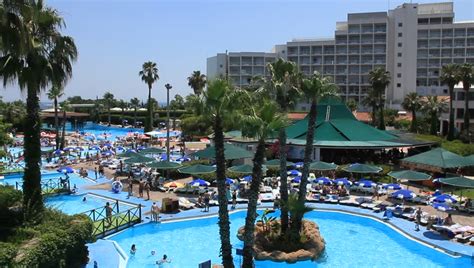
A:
[34,55]
[149,75]
[197,82]
[412,103]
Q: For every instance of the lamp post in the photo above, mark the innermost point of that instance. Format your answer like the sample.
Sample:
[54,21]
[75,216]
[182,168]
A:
[168,87]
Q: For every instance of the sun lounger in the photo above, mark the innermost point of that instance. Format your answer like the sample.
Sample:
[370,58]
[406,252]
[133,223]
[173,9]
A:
[185,203]
[331,198]
[349,202]
[464,237]
[266,197]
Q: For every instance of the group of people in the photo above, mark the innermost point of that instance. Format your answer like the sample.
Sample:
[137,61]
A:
[143,186]
[164,259]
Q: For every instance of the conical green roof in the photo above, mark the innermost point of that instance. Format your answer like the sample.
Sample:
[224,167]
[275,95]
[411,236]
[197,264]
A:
[244,169]
[409,175]
[197,169]
[138,159]
[164,165]
[275,163]
[128,154]
[362,168]
[438,158]
[460,181]
[152,150]
[320,165]
[230,152]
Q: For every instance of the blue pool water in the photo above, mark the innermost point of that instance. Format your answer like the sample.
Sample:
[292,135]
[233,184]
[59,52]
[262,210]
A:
[97,130]
[46,175]
[74,204]
[351,241]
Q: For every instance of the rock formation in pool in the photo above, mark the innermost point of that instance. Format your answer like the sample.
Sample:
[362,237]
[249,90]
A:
[268,244]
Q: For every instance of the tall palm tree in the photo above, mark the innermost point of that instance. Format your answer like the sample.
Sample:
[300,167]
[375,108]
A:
[450,77]
[123,105]
[216,103]
[283,88]
[65,107]
[109,100]
[380,79]
[262,120]
[466,75]
[412,103]
[371,100]
[34,54]
[149,75]
[197,82]
[433,106]
[135,103]
[53,94]
[313,88]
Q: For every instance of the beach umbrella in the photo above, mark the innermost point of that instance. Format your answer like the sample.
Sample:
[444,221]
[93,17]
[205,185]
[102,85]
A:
[294,172]
[119,148]
[247,178]
[95,147]
[442,207]
[460,181]
[108,153]
[141,147]
[323,180]
[245,169]
[164,165]
[199,182]
[275,163]
[321,166]
[366,183]
[129,153]
[392,186]
[403,194]
[151,150]
[362,168]
[438,159]
[298,164]
[296,179]
[444,198]
[108,145]
[65,169]
[67,149]
[163,156]
[138,159]
[78,148]
[197,169]
[183,159]
[58,152]
[231,152]
[229,181]
[173,184]
[409,175]
[342,181]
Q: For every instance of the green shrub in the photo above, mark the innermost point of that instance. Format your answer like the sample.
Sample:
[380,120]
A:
[7,253]
[10,209]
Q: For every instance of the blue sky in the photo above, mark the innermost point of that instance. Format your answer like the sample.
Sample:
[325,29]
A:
[114,37]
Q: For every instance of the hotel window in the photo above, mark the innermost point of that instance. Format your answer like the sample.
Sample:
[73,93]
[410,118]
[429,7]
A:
[399,44]
[400,34]
[399,85]
[399,64]
[399,54]
[399,75]
[400,24]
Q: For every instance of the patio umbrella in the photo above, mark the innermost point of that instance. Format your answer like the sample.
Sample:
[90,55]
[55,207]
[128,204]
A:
[95,147]
[442,207]
[403,194]
[138,159]
[294,172]
[66,169]
[67,149]
[198,182]
[183,159]
[275,163]
[79,148]
[58,152]
[229,181]
[151,150]
[323,180]
[321,166]
[298,164]
[141,147]
[362,168]
[197,169]
[129,153]
[366,183]
[438,159]
[247,178]
[231,152]
[392,186]
[409,175]
[296,179]
[108,153]
[444,198]
[342,181]
[164,165]
[461,181]
[173,184]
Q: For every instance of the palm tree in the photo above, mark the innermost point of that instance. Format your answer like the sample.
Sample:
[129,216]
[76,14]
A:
[433,106]
[216,103]
[135,103]
[466,75]
[34,55]
[53,94]
[123,105]
[109,100]
[450,77]
[283,88]
[371,100]
[64,107]
[380,79]
[262,121]
[149,75]
[412,103]
[313,88]
[197,82]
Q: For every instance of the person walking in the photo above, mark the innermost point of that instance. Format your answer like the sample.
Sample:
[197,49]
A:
[206,202]
[140,188]
[130,187]
[418,214]
[155,212]
[147,189]
[234,199]
[108,214]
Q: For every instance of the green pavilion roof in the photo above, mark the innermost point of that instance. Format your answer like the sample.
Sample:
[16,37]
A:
[230,152]
[336,126]
[438,158]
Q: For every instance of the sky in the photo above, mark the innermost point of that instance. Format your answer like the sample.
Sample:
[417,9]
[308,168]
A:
[115,37]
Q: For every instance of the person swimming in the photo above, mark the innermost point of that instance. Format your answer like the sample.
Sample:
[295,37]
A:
[163,261]
[133,250]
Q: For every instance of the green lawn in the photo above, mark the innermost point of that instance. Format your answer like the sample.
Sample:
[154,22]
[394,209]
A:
[465,193]
[455,146]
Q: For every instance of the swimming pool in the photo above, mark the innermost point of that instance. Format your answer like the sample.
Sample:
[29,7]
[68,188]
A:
[74,204]
[74,178]
[351,241]
[98,130]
